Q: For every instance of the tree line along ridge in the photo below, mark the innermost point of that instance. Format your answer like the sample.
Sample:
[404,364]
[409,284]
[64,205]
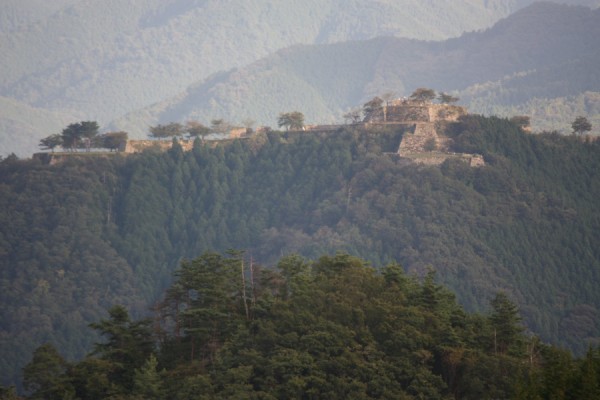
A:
[416,110]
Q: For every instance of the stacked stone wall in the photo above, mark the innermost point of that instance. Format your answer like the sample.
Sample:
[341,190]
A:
[446,112]
[424,146]
[413,112]
[424,138]
[238,133]
[408,113]
[137,146]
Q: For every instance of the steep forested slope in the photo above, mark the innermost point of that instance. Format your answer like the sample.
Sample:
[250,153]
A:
[333,328]
[542,52]
[79,236]
[58,271]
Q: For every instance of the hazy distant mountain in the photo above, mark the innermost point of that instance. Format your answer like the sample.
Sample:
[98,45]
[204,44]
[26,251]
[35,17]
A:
[99,60]
[544,51]
[20,124]
[16,14]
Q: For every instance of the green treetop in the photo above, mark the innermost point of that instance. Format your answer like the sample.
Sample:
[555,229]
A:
[292,120]
[423,94]
[581,125]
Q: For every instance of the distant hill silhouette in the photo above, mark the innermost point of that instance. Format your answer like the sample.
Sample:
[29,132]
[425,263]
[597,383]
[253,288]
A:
[544,51]
[98,60]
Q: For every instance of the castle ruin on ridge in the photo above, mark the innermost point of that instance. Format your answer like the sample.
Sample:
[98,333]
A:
[423,122]
[426,144]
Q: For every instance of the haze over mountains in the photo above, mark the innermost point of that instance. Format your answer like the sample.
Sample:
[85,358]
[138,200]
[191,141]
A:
[100,60]
[545,51]
[80,236]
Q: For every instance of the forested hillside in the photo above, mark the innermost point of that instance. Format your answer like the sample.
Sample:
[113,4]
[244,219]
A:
[95,231]
[332,328]
[540,61]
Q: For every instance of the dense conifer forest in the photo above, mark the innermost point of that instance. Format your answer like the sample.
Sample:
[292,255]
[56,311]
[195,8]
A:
[82,236]
[335,328]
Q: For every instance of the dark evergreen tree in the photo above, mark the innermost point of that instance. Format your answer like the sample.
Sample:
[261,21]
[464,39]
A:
[128,345]
[423,94]
[581,125]
[170,130]
[51,142]
[506,325]
[44,377]
[80,134]
[291,120]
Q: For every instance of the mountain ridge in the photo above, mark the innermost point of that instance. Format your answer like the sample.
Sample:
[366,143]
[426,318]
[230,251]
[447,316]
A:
[84,234]
[101,60]
[550,42]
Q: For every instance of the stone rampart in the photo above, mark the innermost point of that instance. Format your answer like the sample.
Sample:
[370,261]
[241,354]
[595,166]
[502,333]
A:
[137,146]
[406,111]
[445,112]
[425,145]
[54,158]
[424,138]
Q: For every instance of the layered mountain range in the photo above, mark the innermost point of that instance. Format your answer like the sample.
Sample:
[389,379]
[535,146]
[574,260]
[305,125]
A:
[532,63]
[139,63]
